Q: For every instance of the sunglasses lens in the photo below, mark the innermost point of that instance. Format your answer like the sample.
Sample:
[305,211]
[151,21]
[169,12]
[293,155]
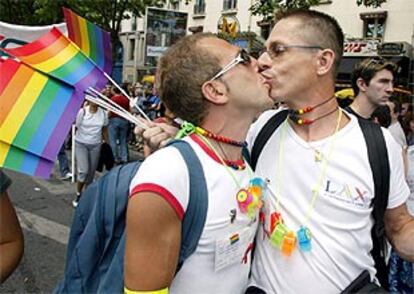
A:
[245,56]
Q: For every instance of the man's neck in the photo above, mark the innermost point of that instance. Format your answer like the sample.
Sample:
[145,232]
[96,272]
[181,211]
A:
[362,106]
[229,126]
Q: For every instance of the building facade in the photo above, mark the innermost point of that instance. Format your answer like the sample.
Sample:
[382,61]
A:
[214,16]
[387,31]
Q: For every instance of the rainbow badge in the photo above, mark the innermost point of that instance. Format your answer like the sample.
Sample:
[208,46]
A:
[235,238]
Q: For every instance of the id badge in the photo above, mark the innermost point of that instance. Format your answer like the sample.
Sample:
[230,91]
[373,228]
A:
[230,250]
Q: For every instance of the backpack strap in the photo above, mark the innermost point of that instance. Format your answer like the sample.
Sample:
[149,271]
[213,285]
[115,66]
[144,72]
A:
[264,135]
[195,216]
[378,160]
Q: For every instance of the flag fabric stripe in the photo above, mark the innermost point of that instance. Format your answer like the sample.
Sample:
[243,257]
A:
[91,36]
[58,65]
[58,108]
[73,26]
[91,39]
[6,76]
[43,42]
[75,69]
[84,36]
[30,163]
[56,61]
[36,110]
[31,128]
[72,108]
[42,56]
[13,92]
[21,108]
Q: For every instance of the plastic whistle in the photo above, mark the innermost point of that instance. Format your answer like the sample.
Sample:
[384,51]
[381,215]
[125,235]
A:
[289,243]
[304,239]
[244,198]
[275,218]
[258,184]
[278,235]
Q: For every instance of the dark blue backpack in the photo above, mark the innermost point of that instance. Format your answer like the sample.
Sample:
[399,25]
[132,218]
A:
[95,253]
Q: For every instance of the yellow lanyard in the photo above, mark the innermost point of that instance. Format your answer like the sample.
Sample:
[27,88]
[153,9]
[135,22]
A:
[317,186]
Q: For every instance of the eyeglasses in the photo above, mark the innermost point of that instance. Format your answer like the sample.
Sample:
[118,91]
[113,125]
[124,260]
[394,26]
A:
[243,57]
[275,50]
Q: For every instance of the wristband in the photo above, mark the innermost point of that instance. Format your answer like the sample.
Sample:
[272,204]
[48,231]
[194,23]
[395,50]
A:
[162,291]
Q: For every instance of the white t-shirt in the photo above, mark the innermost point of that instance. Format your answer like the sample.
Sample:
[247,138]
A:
[398,133]
[341,220]
[165,173]
[410,179]
[89,125]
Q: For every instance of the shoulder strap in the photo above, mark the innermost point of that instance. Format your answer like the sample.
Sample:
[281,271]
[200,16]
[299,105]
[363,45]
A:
[378,160]
[195,216]
[265,133]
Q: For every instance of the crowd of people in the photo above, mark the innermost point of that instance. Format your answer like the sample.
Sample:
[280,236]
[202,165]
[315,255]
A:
[305,197]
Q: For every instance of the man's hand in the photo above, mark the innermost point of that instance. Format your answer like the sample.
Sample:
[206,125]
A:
[156,135]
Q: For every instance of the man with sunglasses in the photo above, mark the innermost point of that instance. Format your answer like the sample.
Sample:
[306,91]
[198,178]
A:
[315,228]
[315,232]
[372,82]
[218,88]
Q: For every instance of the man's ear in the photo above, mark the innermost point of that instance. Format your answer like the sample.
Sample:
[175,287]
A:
[215,92]
[326,59]
[361,84]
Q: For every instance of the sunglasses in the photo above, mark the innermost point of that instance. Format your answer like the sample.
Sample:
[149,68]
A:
[243,57]
[275,50]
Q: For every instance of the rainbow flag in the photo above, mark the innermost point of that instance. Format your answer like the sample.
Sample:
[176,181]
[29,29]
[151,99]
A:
[36,113]
[91,39]
[55,55]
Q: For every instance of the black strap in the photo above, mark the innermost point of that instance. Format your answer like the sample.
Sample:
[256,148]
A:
[378,160]
[265,133]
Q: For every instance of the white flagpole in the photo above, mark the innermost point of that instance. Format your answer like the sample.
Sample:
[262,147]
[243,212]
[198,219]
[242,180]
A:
[126,95]
[73,153]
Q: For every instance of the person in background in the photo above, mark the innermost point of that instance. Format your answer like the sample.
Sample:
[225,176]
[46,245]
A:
[382,116]
[154,104]
[410,136]
[118,129]
[91,124]
[395,127]
[166,117]
[372,82]
[63,161]
[11,235]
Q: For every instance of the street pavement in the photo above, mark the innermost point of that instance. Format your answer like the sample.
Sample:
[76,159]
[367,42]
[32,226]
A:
[45,212]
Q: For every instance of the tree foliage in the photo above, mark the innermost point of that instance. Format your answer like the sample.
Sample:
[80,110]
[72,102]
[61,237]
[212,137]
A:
[371,3]
[267,8]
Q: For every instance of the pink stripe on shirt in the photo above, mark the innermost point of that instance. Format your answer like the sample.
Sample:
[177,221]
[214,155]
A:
[164,193]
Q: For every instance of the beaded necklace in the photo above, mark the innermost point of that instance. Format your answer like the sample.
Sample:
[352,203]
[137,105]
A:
[301,111]
[303,121]
[281,236]
[188,128]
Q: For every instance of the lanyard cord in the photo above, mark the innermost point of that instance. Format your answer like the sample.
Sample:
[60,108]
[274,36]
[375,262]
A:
[317,186]
[224,163]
